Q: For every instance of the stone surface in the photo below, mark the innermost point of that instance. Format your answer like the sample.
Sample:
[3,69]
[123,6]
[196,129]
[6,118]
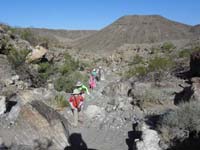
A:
[150,139]
[2,104]
[36,54]
[196,88]
[41,94]
[36,122]
[94,111]
[117,88]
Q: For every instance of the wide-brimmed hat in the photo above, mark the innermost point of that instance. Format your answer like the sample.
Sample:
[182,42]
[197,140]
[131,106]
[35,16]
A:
[79,83]
[76,91]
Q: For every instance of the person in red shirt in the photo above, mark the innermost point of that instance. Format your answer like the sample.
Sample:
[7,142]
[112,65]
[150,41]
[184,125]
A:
[76,103]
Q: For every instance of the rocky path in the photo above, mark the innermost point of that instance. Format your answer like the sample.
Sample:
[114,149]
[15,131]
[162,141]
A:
[96,132]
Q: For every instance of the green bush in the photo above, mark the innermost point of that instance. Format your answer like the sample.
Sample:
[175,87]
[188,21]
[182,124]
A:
[17,57]
[159,64]
[148,98]
[137,71]
[168,47]
[61,101]
[184,53]
[66,83]
[136,60]
[156,64]
[69,65]
[45,70]
[185,118]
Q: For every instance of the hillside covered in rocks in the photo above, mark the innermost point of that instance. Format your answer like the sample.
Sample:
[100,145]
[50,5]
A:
[149,99]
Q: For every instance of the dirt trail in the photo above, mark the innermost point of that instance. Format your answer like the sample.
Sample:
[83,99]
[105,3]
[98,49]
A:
[95,134]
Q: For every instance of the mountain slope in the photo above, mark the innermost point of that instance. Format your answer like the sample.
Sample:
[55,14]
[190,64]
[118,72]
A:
[135,29]
[60,35]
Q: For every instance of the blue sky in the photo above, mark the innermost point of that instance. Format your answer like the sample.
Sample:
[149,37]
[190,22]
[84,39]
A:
[92,14]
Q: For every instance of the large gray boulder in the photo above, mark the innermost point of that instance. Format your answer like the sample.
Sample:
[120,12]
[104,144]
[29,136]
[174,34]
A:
[36,122]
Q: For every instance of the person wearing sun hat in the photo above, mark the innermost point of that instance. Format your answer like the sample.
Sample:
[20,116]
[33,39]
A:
[76,103]
[82,88]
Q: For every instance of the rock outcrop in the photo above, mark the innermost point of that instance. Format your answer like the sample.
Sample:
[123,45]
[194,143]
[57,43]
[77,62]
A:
[37,53]
[36,122]
[2,104]
[195,63]
[150,139]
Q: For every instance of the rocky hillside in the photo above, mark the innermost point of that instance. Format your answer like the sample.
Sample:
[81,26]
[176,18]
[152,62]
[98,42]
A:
[62,35]
[149,99]
[134,30]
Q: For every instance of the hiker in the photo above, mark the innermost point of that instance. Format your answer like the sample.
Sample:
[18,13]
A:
[92,82]
[94,73]
[82,88]
[100,74]
[76,103]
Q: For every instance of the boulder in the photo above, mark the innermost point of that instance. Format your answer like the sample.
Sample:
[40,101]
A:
[195,63]
[150,139]
[2,104]
[14,113]
[37,123]
[1,30]
[6,71]
[94,111]
[36,54]
[196,88]
[117,88]
[40,94]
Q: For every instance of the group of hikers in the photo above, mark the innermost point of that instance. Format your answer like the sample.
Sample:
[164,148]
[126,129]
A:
[77,98]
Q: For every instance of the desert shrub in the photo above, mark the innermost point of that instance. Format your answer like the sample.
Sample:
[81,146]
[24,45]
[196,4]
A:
[84,65]
[159,64]
[185,119]
[69,65]
[136,60]
[185,53]
[136,71]
[45,70]
[168,47]
[148,98]
[61,101]
[27,35]
[66,83]
[156,64]
[17,57]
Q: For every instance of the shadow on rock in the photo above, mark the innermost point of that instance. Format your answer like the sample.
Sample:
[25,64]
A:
[184,95]
[152,121]
[191,143]
[132,136]
[77,143]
